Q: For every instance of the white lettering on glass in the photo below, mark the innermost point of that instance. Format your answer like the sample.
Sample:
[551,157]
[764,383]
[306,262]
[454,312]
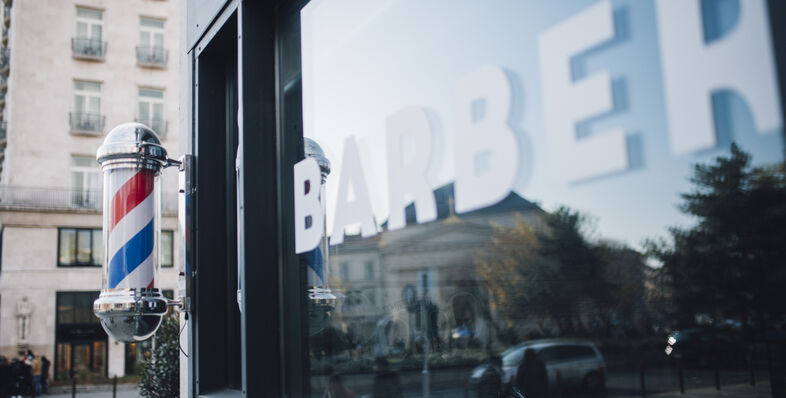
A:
[308,206]
[408,176]
[486,149]
[741,61]
[357,210]
[566,102]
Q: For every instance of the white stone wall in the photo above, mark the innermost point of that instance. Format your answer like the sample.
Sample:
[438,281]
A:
[40,145]
[29,259]
[41,84]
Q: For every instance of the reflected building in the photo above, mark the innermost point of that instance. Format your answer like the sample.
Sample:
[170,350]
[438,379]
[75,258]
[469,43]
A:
[383,278]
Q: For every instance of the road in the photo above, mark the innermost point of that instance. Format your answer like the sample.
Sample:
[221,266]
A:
[622,383]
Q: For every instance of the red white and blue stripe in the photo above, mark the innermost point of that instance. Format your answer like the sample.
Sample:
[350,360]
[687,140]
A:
[131,229]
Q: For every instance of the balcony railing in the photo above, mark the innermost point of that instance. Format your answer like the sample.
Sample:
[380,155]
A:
[151,56]
[31,198]
[88,48]
[158,125]
[90,123]
[5,58]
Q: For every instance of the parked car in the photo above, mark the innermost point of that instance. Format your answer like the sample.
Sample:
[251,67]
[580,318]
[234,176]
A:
[702,347]
[569,364]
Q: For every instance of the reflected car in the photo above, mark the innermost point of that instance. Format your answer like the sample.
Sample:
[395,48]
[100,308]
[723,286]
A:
[569,365]
[702,347]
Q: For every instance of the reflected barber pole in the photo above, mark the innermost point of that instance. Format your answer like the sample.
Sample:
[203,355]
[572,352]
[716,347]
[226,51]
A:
[131,228]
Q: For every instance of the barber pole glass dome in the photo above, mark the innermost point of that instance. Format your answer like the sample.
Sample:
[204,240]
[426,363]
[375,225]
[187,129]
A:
[130,307]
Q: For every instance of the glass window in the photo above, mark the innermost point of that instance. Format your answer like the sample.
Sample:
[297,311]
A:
[345,272]
[87,107]
[167,250]
[76,308]
[150,108]
[67,241]
[151,41]
[87,97]
[89,23]
[151,32]
[80,247]
[560,180]
[86,181]
[88,40]
[369,270]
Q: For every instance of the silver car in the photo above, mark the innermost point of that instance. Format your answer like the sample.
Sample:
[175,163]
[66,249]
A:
[569,364]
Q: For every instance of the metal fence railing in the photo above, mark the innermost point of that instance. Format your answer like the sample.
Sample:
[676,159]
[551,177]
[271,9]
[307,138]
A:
[88,48]
[86,122]
[65,199]
[151,56]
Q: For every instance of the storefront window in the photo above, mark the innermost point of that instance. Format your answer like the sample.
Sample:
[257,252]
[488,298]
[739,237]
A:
[597,186]
[80,339]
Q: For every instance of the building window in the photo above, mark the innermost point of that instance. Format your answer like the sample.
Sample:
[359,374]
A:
[88,42]
[85,182]
[87,116]
[369,270]
[151,110]
[344,271]
[80,247]
[167,249]
[151,50]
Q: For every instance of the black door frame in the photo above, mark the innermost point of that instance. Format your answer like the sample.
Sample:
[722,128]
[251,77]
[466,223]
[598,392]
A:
[272,351]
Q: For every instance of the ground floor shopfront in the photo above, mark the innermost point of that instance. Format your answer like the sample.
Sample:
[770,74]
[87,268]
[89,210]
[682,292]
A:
[49,277]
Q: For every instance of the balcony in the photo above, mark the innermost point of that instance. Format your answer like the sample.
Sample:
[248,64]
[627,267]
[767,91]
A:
[5,60]
[89,49]
[158,125]
[87,123]
[32,198]
[154,57]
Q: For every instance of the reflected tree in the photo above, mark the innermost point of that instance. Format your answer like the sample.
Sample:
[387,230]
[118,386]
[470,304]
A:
[730,266]
[554,277]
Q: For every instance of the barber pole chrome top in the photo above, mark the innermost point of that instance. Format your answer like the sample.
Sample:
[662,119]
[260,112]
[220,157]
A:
[132,145]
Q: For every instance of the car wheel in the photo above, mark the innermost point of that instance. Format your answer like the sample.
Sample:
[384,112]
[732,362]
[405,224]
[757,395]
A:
[593,382]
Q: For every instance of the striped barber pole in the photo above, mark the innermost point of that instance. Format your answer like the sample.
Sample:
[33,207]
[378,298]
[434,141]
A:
[131,228]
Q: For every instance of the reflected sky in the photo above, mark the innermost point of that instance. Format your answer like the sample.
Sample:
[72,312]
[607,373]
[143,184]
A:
[363,61]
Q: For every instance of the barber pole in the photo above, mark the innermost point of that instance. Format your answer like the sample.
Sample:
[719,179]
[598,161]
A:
[131,228]
[130,306]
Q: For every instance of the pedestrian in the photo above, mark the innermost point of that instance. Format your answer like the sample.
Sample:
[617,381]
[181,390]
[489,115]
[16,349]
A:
[386,381]
[35,370]
[17,378]
[531,377]
[336,388]
[5,377]
[45,364]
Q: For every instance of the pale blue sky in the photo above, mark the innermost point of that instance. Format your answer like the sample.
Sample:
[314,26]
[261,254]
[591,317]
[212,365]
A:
[365,60]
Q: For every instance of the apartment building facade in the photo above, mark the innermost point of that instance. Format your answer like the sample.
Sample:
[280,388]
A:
[71,70]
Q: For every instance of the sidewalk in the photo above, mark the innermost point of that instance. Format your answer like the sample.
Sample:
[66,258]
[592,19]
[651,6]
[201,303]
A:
[96,391]
[761,389]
